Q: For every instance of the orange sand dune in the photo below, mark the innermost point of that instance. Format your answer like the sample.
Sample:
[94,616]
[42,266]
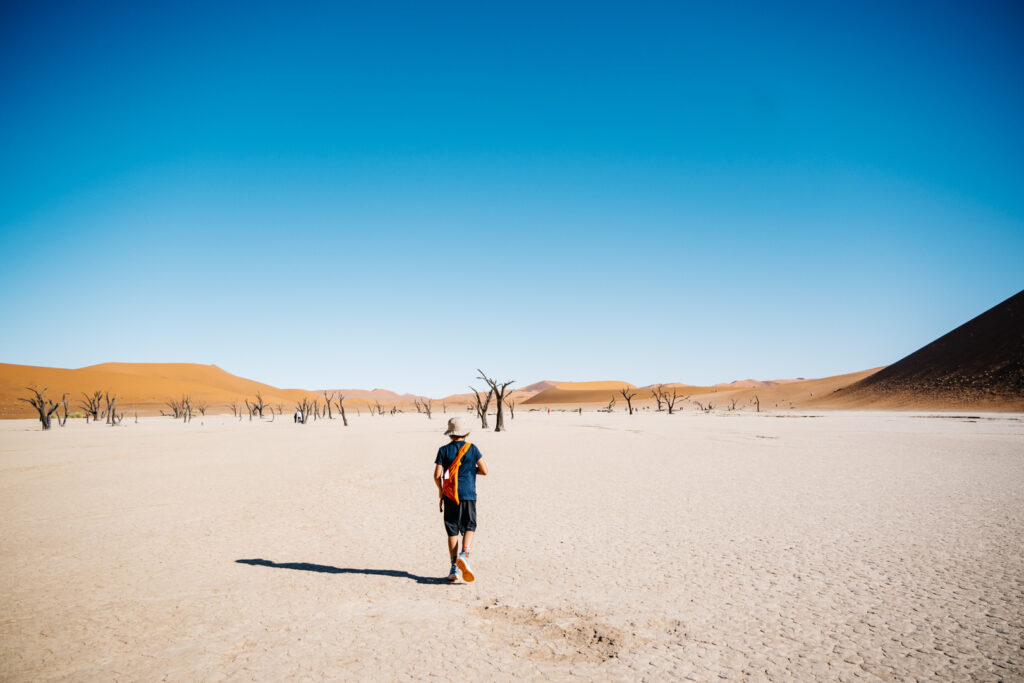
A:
[382,395]
[538,387]
[141,387]
[583,393]
[804,394]
[789,394]
[756,383]
[516,394]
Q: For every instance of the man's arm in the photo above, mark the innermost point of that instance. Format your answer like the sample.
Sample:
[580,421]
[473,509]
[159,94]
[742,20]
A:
[438,478]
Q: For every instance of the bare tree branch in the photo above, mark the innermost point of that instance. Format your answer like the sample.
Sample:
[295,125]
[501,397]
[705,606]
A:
[626,394]
[498,389]
[481,406]
[341,409]
[91,405]
[659,395]
[44,406]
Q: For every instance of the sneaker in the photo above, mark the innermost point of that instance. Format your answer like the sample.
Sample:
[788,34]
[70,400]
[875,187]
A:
[453,575]
[463,563]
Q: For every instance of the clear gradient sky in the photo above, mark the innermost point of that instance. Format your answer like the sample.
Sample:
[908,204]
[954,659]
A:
[392,196]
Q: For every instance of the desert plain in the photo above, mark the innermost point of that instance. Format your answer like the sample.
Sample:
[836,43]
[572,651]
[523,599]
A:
[781,545]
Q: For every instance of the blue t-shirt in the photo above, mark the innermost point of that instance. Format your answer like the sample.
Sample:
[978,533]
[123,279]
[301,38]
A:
[467,470]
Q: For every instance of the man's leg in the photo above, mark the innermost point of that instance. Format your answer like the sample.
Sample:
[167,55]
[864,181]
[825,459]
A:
[463,560]
[453,547]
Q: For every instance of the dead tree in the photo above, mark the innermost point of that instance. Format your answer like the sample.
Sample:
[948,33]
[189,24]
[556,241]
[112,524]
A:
[609,408]
[379,407]
[416,404]
[234,408]
[201,406]
[64,400]
[444,407]
[732,404]
[341,409]
[498,389]
[44,406]
[110,410]
[186,408]
[91,405]
[175,409]
[303,407]
[428,407]
[481,406]
[626,394]
[659,396]
[757,403]
[511,407]
[258,405]
[670,401]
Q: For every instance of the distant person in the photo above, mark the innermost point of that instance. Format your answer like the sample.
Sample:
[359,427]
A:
[455,470]
[298,416]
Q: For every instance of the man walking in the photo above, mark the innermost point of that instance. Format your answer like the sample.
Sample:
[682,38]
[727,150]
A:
[455,469]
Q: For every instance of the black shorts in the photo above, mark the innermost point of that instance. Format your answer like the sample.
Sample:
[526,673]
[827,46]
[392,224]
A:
[458,519]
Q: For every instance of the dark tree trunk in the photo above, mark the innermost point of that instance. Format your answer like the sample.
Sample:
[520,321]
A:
[44,406]
[341,409]
[629,396]
[498,389]
[481,407]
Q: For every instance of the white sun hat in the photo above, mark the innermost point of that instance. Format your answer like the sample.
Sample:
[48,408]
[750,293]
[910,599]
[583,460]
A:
[457,426]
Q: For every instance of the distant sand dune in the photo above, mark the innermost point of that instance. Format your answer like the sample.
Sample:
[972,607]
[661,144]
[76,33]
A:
[586,393]
[756,383]
[141,387]
[979,365]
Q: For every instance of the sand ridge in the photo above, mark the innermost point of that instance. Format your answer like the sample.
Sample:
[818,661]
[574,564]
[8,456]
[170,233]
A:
[143,387]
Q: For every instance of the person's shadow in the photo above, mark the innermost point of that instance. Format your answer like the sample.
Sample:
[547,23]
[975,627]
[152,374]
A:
[325,569]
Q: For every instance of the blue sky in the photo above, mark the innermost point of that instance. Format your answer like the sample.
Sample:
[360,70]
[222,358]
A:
[356,196]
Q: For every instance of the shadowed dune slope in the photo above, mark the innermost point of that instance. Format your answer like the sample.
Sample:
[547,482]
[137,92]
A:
[978,365]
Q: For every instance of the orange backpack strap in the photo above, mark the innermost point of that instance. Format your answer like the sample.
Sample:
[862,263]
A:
[451,483]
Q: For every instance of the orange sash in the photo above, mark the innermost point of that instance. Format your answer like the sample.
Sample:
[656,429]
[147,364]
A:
[450,488]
